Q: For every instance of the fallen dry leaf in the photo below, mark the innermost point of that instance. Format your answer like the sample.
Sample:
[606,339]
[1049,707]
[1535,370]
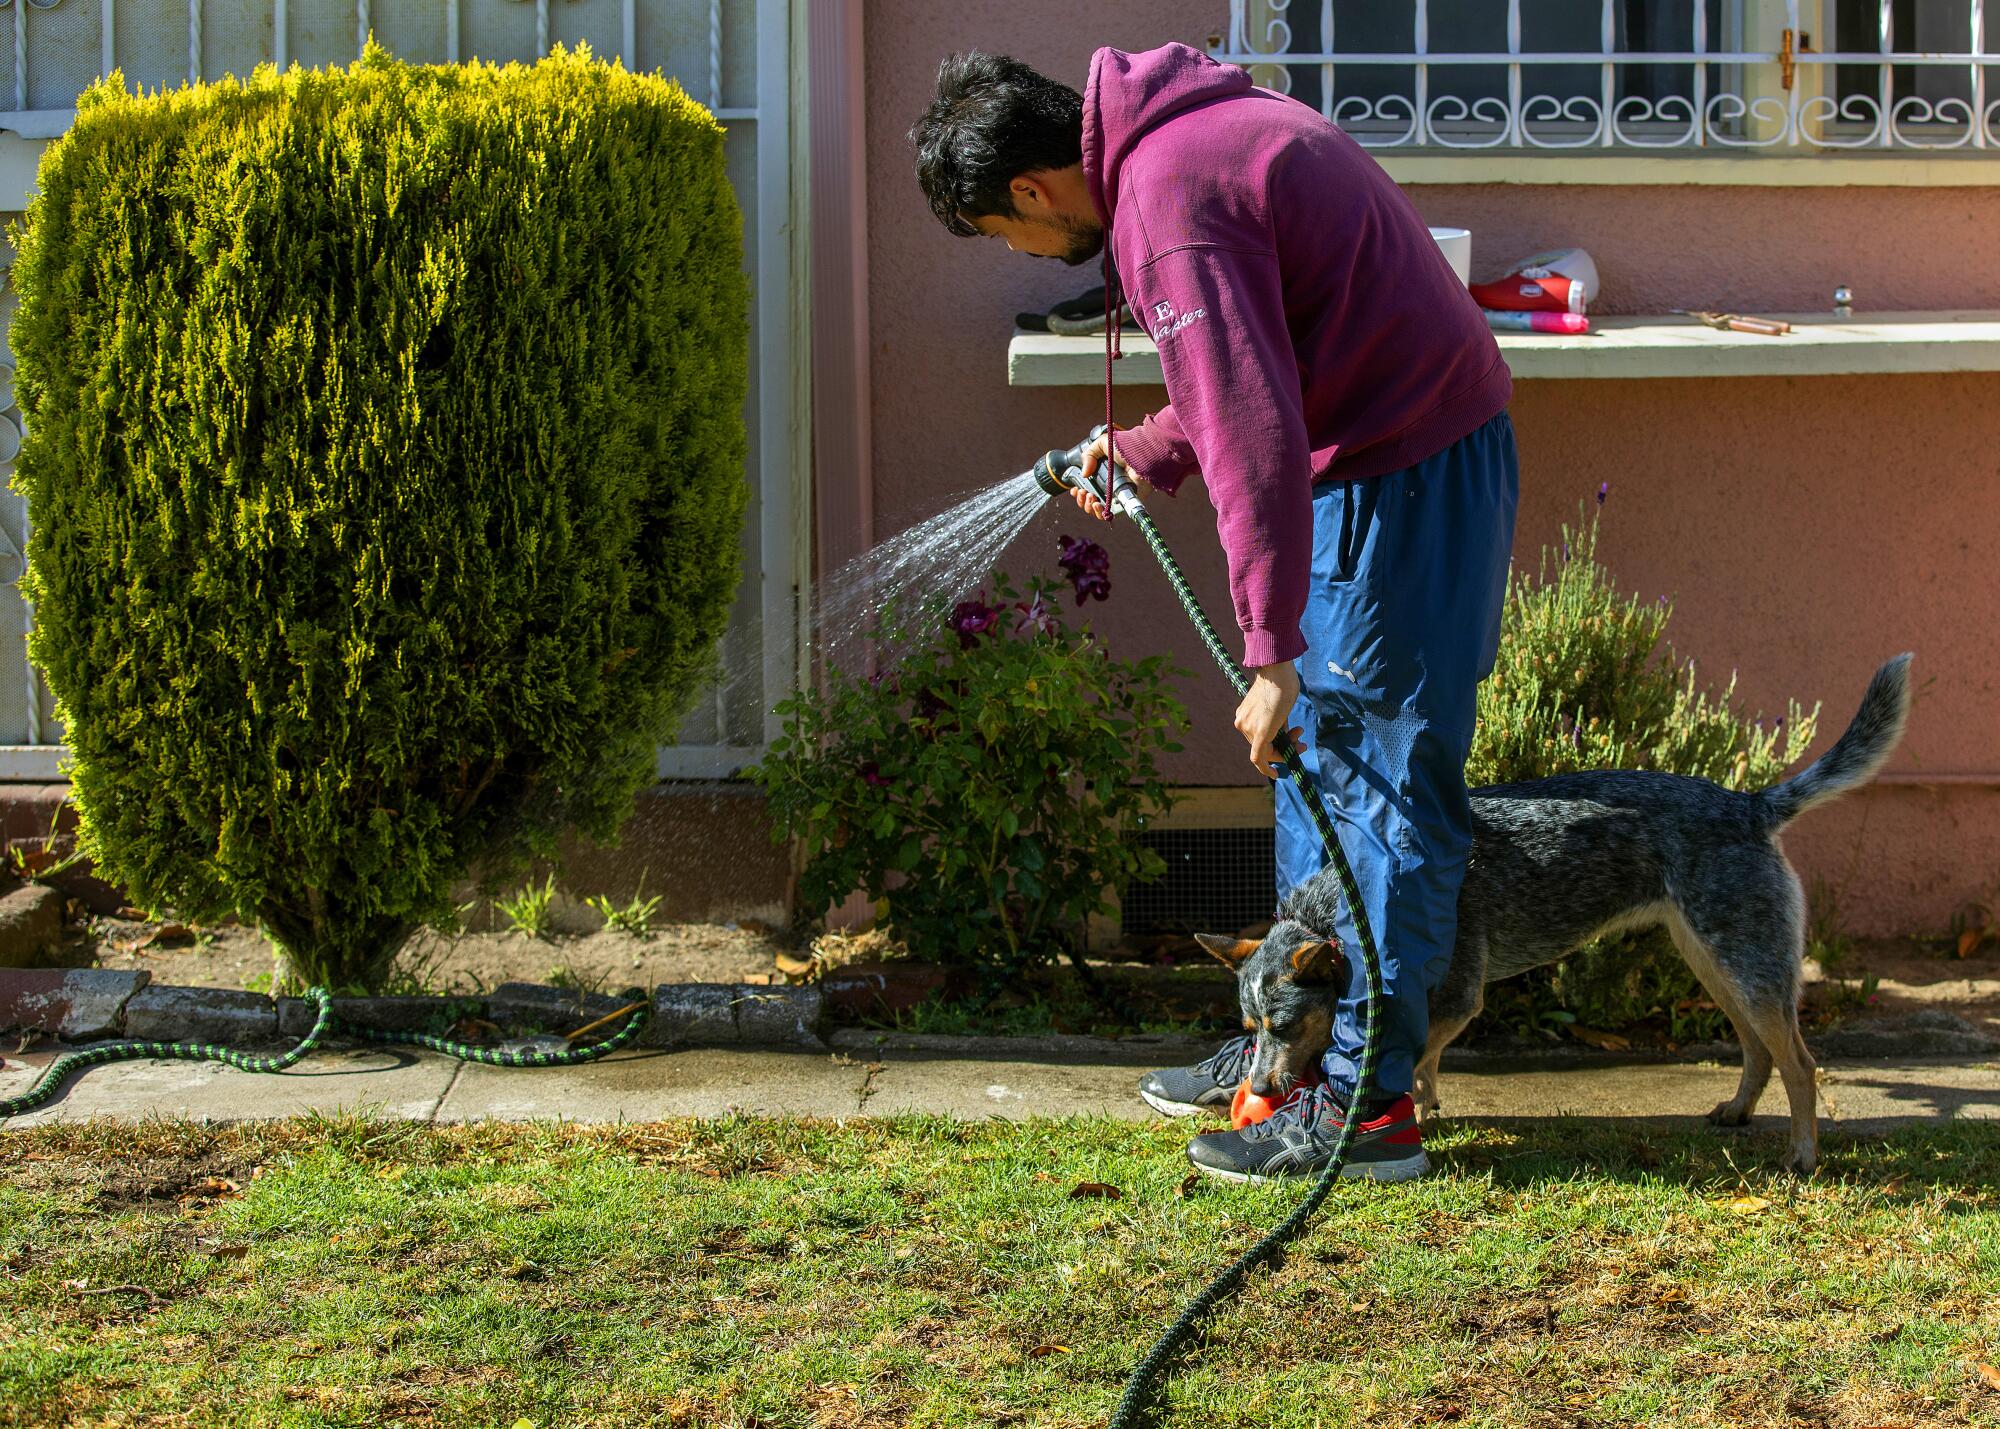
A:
[1188,1183]
[1042,1352]
[1095,1190]
[1748,1205]
[1609,1041]
[164,934]
[1969,941]
[796,969]
[1989,1374]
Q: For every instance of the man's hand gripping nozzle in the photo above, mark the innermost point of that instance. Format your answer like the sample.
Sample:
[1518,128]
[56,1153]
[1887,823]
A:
[1061,472]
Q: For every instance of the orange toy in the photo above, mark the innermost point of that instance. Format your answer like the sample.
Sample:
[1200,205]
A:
[1247,1107]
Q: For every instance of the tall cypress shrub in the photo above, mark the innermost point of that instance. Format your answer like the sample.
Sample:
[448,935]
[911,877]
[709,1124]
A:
[384,461]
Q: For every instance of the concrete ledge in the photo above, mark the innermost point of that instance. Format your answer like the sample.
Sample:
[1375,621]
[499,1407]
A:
[75,1004]
[200,1014]
[517,1003]
[723,1014]
[1931,1032]
[390,1014]
[1622,347]
[1893,168]
[92,1003]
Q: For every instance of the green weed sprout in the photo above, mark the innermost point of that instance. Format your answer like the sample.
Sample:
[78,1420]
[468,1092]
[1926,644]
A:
[636,917]
[528,911]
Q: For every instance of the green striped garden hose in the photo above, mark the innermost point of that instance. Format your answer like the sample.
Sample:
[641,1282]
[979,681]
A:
[1139,1389]
[324,1025]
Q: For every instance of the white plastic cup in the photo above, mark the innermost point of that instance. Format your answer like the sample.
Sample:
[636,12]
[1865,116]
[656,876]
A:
[1457,246]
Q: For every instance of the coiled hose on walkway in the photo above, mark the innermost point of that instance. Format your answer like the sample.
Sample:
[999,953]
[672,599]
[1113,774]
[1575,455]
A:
[324,1025]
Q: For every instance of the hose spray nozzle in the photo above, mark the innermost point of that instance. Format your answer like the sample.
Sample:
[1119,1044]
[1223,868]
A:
[1060,472]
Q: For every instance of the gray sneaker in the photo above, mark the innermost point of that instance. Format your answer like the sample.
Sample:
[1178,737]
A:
[1207,1086]
[1298,1140]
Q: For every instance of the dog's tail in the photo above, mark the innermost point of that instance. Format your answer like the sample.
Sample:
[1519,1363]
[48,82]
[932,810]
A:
[1855,756]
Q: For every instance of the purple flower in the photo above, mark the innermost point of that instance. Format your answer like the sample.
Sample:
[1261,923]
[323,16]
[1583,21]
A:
[1088,567]
[1603,490]
[871,775]
[972,619]
[1565,550]
[1037,616]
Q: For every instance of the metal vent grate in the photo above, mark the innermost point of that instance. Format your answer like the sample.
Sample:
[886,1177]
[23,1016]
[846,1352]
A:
[1217,881]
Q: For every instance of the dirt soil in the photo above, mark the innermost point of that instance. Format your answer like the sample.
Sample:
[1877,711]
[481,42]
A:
[1916,976]
[607,960]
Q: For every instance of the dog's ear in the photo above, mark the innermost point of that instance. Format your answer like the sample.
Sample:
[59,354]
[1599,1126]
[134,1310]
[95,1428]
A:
[1231,950]
[1315,962]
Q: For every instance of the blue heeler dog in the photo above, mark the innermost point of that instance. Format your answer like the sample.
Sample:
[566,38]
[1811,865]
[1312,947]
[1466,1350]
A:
[1558,862]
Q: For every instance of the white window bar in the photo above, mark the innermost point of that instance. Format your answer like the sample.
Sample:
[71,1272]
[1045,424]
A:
[1976,40]
[1515,125]
[1721,109]
[1422,35]
[715,55]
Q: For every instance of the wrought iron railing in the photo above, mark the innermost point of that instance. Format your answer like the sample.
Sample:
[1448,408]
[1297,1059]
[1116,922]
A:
[1441,93]
[55,48]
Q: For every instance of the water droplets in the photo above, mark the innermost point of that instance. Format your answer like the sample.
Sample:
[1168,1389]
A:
[945,557]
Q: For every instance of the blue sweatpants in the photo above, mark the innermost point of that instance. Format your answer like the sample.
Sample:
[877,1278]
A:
[1403,620]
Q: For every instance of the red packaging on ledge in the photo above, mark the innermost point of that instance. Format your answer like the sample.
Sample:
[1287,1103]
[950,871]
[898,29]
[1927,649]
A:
[1562,280]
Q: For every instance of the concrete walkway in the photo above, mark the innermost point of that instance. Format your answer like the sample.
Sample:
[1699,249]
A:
[864,1076]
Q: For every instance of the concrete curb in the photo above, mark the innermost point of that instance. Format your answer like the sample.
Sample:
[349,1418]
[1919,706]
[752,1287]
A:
[88,1004]
[85,1004]
[75,1004]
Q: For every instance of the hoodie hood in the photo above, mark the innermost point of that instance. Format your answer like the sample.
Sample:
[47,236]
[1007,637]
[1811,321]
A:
[1128,94]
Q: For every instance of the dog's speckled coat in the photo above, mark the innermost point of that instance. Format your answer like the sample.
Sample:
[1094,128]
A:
[1560,861]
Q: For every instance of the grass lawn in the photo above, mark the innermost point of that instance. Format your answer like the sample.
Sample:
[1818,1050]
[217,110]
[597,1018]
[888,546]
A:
[747,1272]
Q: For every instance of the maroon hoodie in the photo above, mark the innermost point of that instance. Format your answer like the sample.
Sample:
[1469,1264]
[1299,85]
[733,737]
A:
[1308,325]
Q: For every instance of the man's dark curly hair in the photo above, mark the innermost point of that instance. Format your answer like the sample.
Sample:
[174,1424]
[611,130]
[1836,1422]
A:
[993,120]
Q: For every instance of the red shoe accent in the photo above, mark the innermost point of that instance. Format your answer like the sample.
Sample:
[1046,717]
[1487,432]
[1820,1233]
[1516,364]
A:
[1401,1109]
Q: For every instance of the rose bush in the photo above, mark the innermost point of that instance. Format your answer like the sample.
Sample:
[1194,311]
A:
[988,791]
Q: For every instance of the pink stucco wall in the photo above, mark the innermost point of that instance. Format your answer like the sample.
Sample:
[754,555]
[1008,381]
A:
[1807,528]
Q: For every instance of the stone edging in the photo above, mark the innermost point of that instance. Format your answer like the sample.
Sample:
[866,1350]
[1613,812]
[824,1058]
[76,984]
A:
[87,1004]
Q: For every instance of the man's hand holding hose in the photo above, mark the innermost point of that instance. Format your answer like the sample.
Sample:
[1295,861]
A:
[1267,709]
[1274,689]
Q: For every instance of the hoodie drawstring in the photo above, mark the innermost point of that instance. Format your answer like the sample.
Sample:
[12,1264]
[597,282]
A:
[1113,348]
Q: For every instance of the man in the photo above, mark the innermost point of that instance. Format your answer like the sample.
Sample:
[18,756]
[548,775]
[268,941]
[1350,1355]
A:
[1346,405]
